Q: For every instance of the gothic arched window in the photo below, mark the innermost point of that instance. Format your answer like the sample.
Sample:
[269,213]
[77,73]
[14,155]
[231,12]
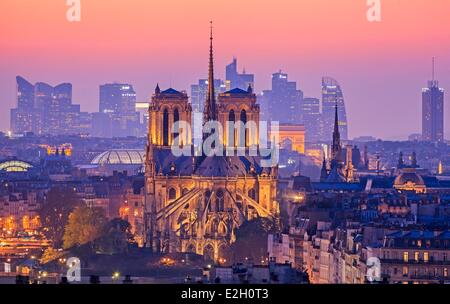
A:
[231,128]
[176,118]
[220,205]
[243,119]
[252,194]
[172,194]
[166,128]
[207,197]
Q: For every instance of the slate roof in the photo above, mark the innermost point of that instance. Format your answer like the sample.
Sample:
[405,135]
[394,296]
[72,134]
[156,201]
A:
[218,166]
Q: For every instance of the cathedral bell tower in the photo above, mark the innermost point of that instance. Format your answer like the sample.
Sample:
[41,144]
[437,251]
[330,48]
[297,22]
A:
[166,108]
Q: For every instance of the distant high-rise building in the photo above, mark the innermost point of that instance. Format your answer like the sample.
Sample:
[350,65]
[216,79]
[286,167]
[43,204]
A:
[282,103]
[25,94]
[433,111]
[43,109]
[332,95]
[118,102]
[236,80]
[311,117]
[199,93]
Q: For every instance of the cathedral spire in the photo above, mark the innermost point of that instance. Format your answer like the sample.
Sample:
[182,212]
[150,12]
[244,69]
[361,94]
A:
[336,119]
[210,105]
[336,147]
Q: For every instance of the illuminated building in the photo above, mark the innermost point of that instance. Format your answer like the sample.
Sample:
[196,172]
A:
[293,136]
[282,103]
[43,109]
[433,111]
[15,166]
[199,92]
[195,203]
[118,105]
[416,257]
[311,117]
[332,95]
[236,80]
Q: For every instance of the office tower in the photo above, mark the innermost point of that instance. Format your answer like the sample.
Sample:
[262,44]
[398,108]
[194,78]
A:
[43,109]
[282,103]
[311,118]
[25,94]
[433,111]
[332,95]
[118,102]
[199,92]
[23,117]
[236,80]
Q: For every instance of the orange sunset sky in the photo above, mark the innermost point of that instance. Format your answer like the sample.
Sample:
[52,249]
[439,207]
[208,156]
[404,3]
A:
[381,66]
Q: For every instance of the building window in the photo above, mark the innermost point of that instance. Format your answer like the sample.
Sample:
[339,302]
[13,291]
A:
[426,257]
[166,128]
[220,206]
[405,257]
[252,194]
[176,118]
[444,257]
[445,272]
[416,256]
[172,194]
[405,271]
[419,243]
[231,129]
[243,132]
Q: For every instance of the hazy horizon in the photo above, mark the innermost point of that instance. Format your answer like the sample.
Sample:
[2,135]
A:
[381,67]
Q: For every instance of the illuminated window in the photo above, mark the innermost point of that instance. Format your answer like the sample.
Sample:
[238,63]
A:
[405,271]
[445,272]
[425,257]
[405,256]
[416,256]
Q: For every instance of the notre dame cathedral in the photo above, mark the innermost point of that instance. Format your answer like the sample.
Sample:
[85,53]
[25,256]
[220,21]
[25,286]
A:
[195,203]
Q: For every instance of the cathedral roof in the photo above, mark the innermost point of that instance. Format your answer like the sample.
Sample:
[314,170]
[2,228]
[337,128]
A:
[237,91]
[218,166]
[172,91]
[335,176]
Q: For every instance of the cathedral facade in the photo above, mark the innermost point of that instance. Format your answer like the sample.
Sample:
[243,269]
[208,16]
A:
[194,203]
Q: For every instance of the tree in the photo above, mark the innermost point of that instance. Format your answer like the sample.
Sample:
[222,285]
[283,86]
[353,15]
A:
[84,226]
[251,240]
[116,236]
[58,204]
[50,254]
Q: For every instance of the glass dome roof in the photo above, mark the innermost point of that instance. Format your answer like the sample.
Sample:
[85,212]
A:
[120,157]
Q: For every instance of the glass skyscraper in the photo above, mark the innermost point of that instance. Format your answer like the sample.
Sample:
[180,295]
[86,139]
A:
[282,103]
[237,80]
[433,112]
[332,95]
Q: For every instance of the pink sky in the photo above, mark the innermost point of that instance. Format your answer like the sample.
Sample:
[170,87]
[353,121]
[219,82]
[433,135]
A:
[381,66]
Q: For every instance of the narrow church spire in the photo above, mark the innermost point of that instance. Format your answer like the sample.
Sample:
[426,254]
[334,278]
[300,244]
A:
[210,105]
[336,147]
[336,119]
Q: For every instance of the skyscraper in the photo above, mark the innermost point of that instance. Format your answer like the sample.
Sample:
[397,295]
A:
[332,95]
[311,118]
[199,92]
[23,117]
[236,80]
[118,102]
[43,109]
[282,103]
[433,111]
